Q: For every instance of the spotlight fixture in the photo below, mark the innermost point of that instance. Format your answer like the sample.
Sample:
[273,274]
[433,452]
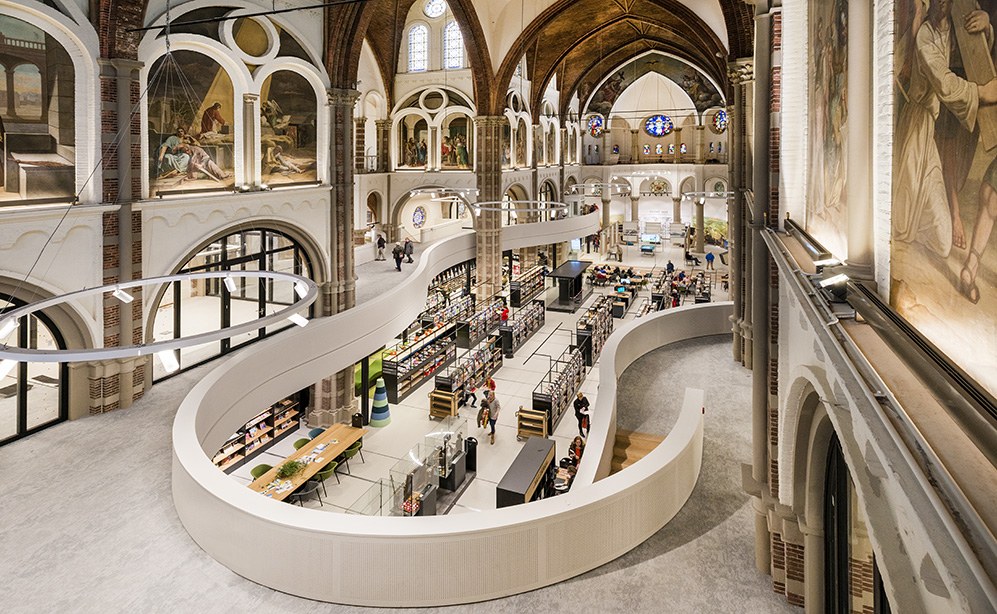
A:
[298,319]
[230,284]
[6,366]
[840,278]
[827,262]
[301,289]
[122,296]
[169,360]
[8,327]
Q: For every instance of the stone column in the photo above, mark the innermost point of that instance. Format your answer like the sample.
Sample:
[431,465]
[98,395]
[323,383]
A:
[740,73]
[333,399]
[488,158]
[635,208]
[250,127]
[700,144]
[359,143]
[859,146]
[634,146]
[607,200]
[433,157]
[679,158]
[11,110]
[700,225]
[383,145]
[677,209]
[563,150]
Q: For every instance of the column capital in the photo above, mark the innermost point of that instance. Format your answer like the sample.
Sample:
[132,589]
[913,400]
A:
[484,121]
[382,123]
[341,97]
[248,97]
[122,66]
[741,71]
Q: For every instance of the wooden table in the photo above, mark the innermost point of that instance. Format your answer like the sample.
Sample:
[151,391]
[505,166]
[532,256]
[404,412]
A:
[337,438]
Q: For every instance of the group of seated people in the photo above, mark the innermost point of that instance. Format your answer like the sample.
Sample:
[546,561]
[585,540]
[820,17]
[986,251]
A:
[682,285]
[603,274]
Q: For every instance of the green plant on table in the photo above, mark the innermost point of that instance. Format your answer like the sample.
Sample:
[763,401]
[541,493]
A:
[290,469]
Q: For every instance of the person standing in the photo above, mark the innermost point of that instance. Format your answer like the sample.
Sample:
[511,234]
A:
[493,413]
[582,414]
[397,253]
[381,243]
[709,260]
[409,250]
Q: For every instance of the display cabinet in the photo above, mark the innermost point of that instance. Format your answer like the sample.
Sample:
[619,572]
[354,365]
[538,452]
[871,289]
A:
[527,321]
[415,474]
[530,476]
[262,431]
[526,286]
[446,446]
[471,330]
[593,328]
[408,364]
[555,392]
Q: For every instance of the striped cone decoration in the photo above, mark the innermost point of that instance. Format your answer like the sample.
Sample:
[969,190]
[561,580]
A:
[380,415]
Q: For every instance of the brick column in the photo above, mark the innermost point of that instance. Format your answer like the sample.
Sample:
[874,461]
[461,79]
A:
[333,399]
[383,145]
[360,140]
[488,164]
[117,384]
[741,74]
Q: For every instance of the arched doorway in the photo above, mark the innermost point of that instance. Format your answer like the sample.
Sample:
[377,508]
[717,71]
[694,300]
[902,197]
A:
[33,396]
[191,307]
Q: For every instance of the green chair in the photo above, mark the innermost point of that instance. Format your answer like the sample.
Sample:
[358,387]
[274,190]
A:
[301,443]
[349,453]
[327,471]
[259,470]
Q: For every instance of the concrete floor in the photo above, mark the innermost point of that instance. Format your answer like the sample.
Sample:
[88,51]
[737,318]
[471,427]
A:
[93,528]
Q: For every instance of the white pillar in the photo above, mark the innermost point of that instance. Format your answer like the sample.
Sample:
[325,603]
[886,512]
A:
[859,147]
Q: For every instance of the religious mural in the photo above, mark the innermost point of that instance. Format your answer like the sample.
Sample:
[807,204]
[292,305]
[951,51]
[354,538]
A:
[413,150]
[287,129]
[522,136]
[191,137]
[506,145]
[37,114]
[944,268]
[456,145]
[826,213]
[702,92]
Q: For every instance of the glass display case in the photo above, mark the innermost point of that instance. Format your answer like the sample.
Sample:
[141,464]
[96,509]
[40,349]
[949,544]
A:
[446,445]
[415,475]
[383,498]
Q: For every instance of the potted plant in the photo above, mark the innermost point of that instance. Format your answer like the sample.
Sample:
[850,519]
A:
[289,469]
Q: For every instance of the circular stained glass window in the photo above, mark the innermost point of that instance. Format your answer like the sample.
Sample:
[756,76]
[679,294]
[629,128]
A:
[596,126]
[419,217]
[435,8]
[720,120]
[659,125]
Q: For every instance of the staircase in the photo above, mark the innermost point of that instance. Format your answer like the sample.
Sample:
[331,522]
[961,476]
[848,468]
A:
[630,447]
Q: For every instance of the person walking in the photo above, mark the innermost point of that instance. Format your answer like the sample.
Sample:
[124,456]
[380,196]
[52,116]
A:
[381,244]
[409,250]
[483,413]
[669,268]
[709,260]
[398,253]
[493,413]
[582,414]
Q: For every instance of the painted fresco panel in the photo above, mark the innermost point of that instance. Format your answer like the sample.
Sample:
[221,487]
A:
[287,129]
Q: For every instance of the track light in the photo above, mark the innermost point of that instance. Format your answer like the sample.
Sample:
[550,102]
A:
[830,281]
[230,284]
[122,296]
[169,361]
[6,366]
[827,262]
[301,289]
[298,319]
[8,327]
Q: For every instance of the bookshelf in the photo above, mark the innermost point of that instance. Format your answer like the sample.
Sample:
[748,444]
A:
[593,328]
[443,403]
[555,392]
[522,326]
[526,286]
[408,364]
[262,431]
[646,307]
[471,330]
[530,423]
[473,369]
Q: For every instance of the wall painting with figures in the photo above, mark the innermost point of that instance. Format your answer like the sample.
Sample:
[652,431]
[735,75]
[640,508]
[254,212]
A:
[826,211]
[287,129]
[944,263]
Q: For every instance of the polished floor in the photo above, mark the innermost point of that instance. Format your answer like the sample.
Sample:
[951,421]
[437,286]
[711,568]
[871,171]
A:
[89,523]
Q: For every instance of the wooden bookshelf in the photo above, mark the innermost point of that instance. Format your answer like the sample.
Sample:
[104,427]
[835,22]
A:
[258,434]
[442,404]
[530,423]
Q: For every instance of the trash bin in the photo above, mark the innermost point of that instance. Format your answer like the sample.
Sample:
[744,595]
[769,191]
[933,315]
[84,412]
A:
[471,449]
[357,421]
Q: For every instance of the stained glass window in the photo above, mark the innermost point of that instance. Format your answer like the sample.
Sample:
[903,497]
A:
[453,46]
[647,150]
[683,149]
[616,149]
[671,149]
[435,8]
[720,121]
[712,147]
[658,125]
[418,48]
[419,217]
[596,125]
[658,149]
[720,147]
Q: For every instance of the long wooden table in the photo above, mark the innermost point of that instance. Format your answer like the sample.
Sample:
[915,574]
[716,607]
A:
[337,438]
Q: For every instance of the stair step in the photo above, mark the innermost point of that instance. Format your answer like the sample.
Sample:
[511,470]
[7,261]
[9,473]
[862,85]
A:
[630,447]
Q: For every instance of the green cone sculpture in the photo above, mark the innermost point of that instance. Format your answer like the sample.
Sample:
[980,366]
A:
[380,415]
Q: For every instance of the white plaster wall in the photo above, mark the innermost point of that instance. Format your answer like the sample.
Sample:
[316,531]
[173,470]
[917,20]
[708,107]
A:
[795,107]
[884,107]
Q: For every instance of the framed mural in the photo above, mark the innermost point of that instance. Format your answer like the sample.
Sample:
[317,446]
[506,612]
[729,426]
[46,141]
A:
[827,218]
[943,266]
[37,114]
[413,135]
[506,145]
[287,129]
[456,143]
[191,140]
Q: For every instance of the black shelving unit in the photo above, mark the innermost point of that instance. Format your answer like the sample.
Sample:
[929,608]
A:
[526,286]
[522,326]
[473,368]
[407,365]
[472,330]
[593,328]
[555,392]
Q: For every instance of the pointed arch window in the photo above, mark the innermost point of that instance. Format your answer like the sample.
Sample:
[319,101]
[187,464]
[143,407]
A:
[418,48]
[453,46]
